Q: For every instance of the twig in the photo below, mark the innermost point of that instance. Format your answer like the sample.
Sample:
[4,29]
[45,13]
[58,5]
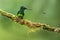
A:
[29,23]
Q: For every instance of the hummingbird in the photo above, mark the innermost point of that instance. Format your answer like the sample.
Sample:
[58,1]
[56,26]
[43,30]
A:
[21,13]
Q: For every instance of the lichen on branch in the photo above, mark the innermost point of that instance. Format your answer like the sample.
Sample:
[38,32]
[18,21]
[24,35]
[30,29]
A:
[28,23]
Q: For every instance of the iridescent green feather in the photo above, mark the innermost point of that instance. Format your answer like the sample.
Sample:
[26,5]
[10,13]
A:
[20,15]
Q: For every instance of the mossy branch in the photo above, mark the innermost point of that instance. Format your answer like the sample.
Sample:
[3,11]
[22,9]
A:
[29,23]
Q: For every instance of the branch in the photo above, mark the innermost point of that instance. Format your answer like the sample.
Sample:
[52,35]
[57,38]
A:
[29,23]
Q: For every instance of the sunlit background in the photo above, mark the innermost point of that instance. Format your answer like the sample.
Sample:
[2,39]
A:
[44,11]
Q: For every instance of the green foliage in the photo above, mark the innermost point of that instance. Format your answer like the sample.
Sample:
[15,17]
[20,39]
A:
[12,31]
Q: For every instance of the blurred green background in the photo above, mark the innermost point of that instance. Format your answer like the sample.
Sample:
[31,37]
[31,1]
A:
[10,30]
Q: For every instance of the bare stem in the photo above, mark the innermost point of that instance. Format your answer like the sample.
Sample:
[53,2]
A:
[29,23]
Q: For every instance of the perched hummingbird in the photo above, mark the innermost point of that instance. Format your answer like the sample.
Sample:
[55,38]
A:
[21,13]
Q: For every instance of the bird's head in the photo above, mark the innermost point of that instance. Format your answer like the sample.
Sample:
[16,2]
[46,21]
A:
[24,8]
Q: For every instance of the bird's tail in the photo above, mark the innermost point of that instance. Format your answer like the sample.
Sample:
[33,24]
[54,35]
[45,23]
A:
[21,17]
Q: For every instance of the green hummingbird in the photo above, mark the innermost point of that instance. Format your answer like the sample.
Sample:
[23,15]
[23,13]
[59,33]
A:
[21,13]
